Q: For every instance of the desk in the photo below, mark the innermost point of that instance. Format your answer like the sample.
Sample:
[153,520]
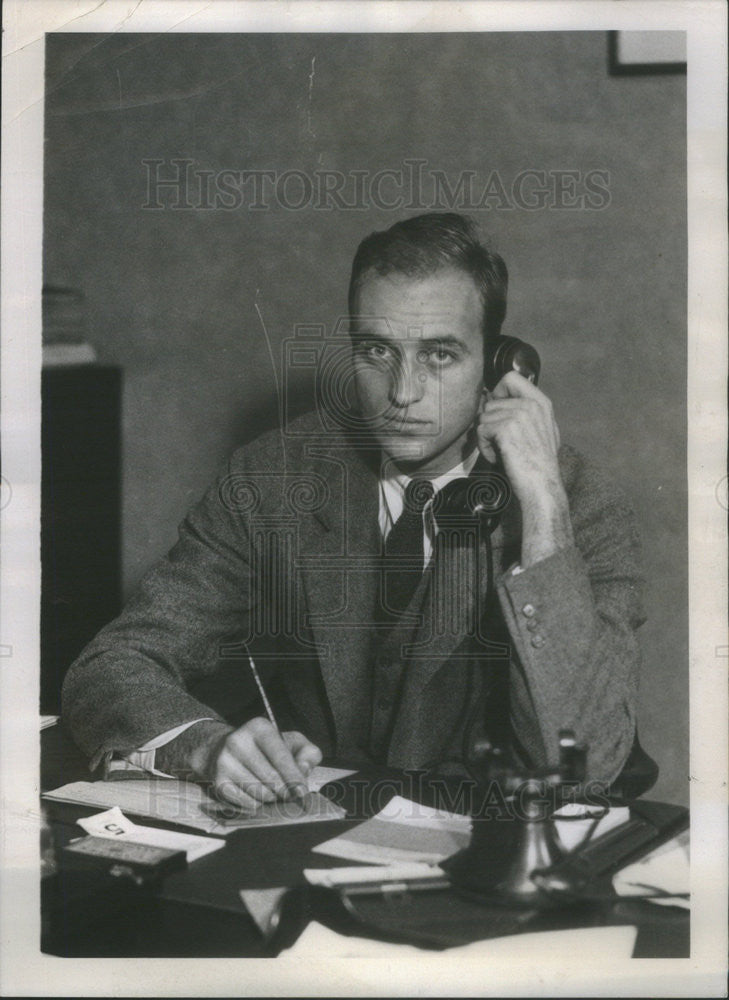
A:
[198,912]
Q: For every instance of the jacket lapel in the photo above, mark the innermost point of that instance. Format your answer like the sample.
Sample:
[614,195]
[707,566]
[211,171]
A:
[340,545]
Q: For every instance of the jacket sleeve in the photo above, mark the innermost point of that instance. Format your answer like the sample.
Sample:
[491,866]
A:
[129,684]
[572,619]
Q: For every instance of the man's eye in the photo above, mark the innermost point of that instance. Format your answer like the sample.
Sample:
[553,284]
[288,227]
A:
[439,356]
[375,351]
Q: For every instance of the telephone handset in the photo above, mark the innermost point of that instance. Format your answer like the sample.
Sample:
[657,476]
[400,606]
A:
[485,494]
[510,354]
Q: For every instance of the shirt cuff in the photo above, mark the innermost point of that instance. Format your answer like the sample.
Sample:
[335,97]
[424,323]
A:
[143,758]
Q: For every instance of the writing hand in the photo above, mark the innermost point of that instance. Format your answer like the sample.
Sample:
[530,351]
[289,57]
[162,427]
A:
[255,764]
[517,426]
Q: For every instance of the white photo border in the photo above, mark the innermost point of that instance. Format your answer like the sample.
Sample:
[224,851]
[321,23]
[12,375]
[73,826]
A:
[24,970]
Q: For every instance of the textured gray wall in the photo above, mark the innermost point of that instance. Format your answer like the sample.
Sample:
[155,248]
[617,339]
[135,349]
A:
[171,295]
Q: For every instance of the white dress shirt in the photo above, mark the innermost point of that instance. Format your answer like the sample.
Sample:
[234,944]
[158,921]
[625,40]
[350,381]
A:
[392,501]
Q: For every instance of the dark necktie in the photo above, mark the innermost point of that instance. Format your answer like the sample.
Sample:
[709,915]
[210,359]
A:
[404,552]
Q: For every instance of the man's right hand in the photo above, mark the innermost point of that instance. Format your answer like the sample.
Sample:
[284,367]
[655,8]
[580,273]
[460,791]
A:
[248,765]
[255,764]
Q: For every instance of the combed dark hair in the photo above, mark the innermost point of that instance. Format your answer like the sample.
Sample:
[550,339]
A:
[420,246]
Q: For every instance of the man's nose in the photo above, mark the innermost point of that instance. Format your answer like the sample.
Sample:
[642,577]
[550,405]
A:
[407,382]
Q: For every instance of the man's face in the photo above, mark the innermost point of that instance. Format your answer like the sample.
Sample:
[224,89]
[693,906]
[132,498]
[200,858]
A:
[418,365]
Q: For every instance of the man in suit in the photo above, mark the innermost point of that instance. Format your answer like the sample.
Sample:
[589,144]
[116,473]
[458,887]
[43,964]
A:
[390,622]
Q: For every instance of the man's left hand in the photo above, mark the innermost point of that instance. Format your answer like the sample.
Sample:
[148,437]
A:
[516,426]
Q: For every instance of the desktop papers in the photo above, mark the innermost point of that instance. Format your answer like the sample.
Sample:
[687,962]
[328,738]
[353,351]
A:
[402,831]
[187,804]
[405,831]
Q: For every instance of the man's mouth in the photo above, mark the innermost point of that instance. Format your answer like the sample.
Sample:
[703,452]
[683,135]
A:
[388,423]
[406,426]
[404,422]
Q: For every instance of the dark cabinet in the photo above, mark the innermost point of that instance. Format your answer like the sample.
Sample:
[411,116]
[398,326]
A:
[80,515]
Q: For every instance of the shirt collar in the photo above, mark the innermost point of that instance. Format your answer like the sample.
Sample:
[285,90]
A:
[398,481]
[392,489]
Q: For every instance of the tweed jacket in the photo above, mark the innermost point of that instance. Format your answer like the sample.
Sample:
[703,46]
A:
[281,558]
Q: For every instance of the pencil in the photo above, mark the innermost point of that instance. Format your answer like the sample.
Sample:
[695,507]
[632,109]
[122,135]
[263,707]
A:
[306,796]
[266,702]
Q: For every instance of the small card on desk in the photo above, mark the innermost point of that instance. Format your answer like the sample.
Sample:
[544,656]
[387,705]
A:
[114,825]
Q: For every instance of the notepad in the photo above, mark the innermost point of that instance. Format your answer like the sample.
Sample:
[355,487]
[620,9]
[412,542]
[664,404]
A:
[187,804]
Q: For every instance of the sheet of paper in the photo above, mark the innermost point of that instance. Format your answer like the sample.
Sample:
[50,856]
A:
[263,906]
[187,804]
[573,823]
[318,777]
[116,826]
[663,870]
[312,808]
[615,942]
[402,831]
[323,775]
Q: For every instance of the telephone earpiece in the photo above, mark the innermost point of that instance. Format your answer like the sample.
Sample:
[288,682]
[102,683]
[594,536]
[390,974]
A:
[510,354]
[486,493]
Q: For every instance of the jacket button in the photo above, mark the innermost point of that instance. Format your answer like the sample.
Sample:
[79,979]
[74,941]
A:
[532,624]
[537,641]
[528,610]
